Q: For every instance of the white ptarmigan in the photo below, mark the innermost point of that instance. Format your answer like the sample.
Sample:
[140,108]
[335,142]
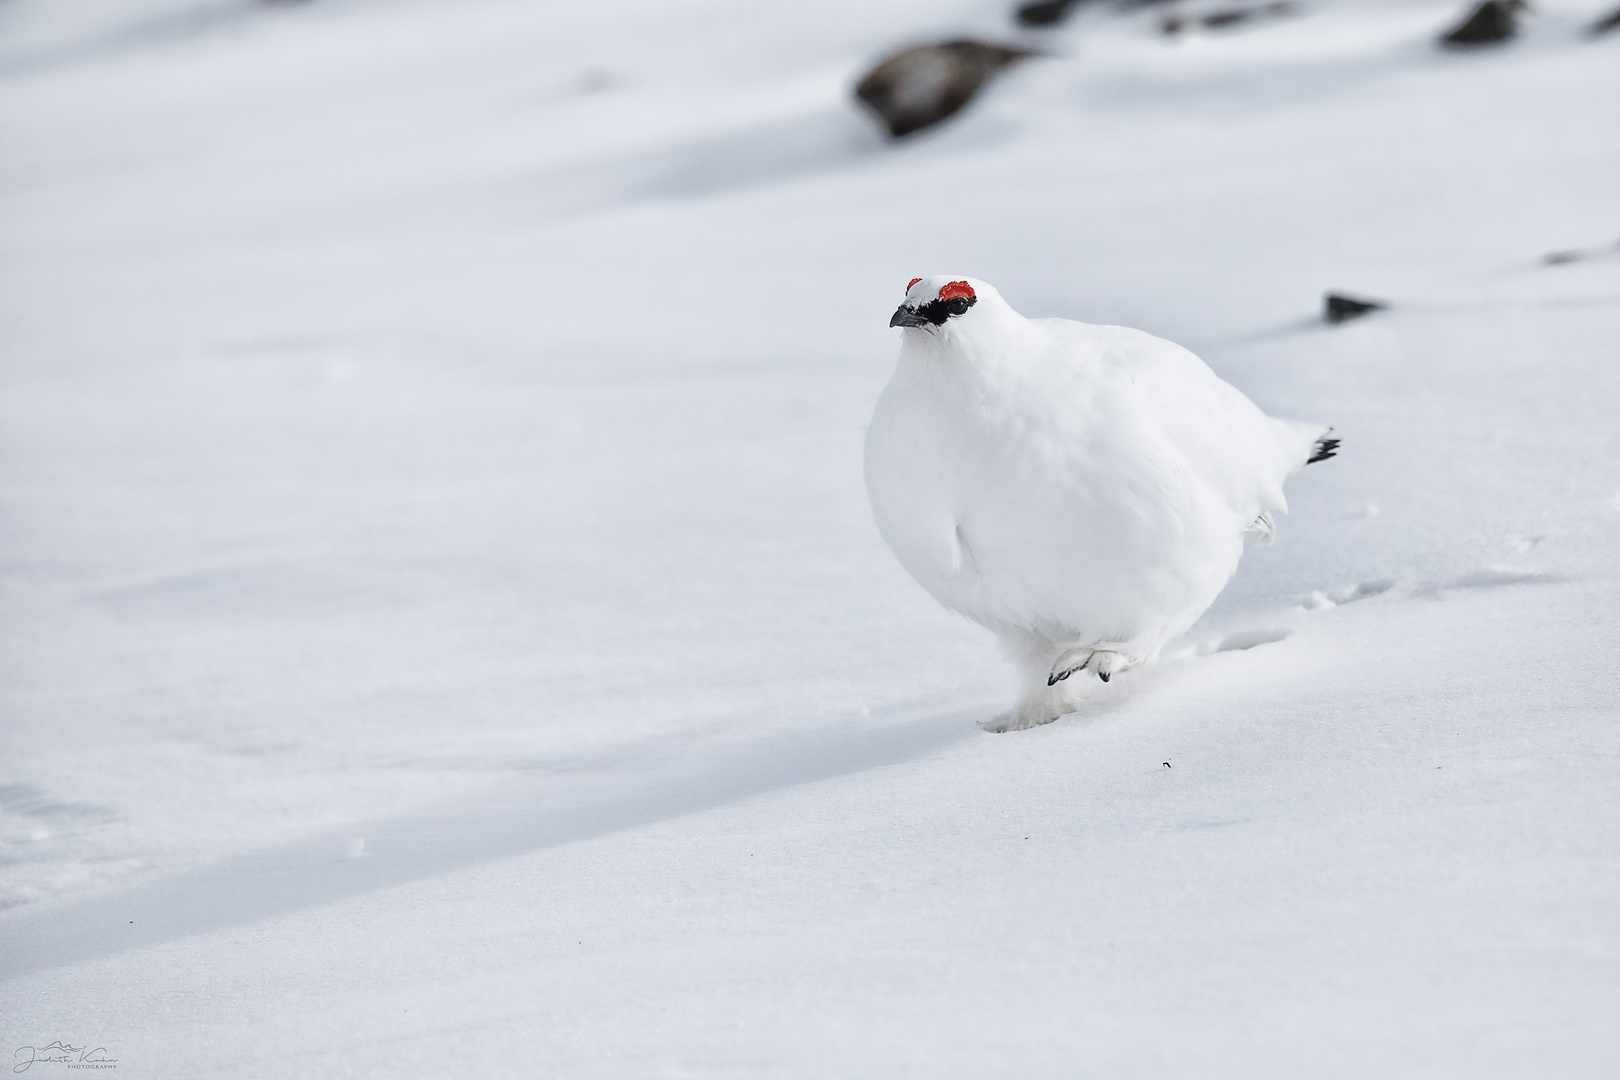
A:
[1082,491]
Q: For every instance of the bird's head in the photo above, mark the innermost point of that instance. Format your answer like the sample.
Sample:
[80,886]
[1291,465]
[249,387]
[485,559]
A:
[934,303]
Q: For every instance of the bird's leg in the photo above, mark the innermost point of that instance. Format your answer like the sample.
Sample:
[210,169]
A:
[1106,663]
[1070,662]
[1044,697]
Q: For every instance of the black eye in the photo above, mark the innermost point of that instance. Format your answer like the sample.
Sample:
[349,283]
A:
[937,311]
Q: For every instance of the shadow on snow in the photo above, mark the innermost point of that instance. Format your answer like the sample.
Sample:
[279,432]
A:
[517,816]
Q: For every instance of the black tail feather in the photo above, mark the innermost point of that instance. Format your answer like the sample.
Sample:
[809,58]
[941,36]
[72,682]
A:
[1325,448]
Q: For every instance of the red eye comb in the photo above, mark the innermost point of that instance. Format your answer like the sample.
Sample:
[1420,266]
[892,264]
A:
[955,289]
[912,282]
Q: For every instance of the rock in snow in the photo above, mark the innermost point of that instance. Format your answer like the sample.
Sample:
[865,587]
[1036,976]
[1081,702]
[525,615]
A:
[1338,309]
[920,86]
[1605,24]
[1177,21]
[1044,12]
[1570,255]
[1491,23]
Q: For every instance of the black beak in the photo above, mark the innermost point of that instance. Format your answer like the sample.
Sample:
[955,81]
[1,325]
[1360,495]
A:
[904,316]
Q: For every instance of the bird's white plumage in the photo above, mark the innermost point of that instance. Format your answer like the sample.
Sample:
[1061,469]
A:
[1083,491]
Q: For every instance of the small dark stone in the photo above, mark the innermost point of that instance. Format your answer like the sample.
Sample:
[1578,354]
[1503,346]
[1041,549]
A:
[1608,22]
[1491,23]
[1557,258]
[1177,21]
[1338,309]
[920,86]
[1044,12]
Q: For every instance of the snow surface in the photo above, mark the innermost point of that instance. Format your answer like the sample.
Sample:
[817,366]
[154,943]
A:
[444,632]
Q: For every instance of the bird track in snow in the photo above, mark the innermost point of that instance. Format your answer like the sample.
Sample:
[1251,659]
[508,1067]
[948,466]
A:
[1324,600]
[1489,577]
[1321,601]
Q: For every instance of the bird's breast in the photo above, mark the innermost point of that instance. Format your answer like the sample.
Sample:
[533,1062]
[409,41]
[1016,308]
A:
[1053,507]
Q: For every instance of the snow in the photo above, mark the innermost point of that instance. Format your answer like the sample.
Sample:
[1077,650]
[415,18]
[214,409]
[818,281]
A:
[444,629]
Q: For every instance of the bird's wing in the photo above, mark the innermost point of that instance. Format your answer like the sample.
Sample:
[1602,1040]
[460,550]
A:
[1218,434]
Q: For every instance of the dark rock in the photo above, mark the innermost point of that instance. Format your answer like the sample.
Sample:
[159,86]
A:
[1178,21]
[920,86]
[1044,12]
[1608,22]
[1569,255]
[1491,23]
[1338,309]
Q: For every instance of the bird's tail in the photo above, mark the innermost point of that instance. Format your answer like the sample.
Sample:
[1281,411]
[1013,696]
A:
[1303,444]
[1325,448]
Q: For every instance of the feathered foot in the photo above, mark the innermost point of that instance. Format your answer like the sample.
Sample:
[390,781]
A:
[1102,661]
[1070,662]
[1105,664]
[1047,693]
